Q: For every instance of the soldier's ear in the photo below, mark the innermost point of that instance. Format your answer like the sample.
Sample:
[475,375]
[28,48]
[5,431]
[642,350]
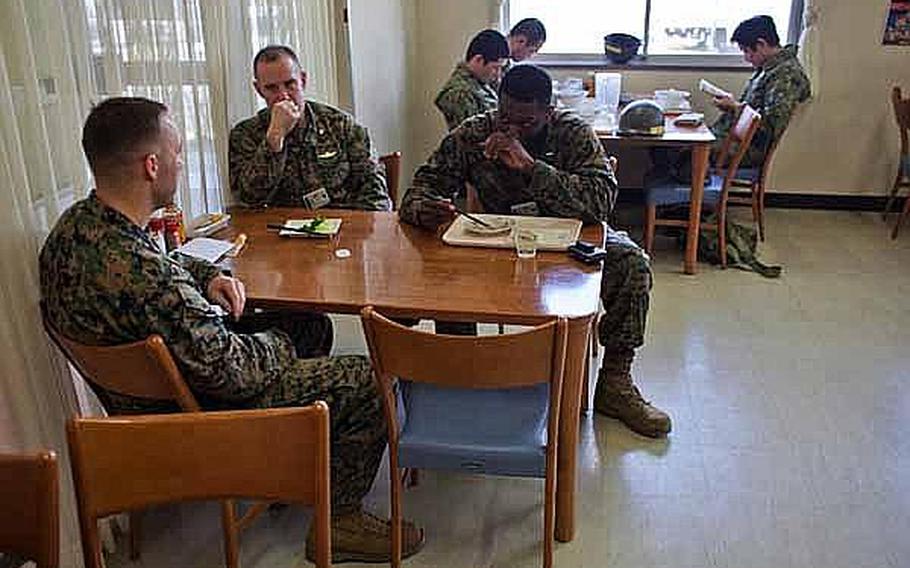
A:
[150,166]
[303,78]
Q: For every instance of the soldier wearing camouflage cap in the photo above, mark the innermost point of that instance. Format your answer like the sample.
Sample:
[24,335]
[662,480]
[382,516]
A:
[470,89]
[104,281]
[527,158]
[298,152]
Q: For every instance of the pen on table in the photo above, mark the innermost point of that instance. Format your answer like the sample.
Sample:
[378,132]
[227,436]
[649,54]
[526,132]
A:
[239,243]
[307,230]
[461,211]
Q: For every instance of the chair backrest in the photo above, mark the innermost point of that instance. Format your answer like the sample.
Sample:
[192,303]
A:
[392,164]
[126,463]
[511,360]
[143,369]
[29,507]
[737,142]
[902,115]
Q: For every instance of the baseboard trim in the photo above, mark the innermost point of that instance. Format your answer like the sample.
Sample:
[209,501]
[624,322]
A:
[780,200]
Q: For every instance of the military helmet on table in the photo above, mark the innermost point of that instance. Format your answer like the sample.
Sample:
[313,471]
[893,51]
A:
[644,117]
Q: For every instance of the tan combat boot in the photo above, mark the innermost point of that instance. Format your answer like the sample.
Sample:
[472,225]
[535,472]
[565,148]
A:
[617,397]
[363,537]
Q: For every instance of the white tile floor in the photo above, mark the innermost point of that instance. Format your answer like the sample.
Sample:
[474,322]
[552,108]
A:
[789,449]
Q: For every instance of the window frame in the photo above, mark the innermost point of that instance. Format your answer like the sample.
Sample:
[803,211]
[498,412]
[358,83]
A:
[666,62]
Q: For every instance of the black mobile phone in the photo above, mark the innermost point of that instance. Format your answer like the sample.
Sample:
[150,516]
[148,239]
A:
[586,252]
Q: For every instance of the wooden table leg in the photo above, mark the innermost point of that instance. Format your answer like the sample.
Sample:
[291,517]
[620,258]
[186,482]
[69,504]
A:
[701,153]
[566,461]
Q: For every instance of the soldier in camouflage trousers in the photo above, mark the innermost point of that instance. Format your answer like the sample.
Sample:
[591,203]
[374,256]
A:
[527,158]
[104,281]
[298,152]
[470,90]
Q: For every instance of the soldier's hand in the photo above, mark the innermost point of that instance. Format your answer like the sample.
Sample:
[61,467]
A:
[431,212]
[726,104]
[284,117]
[509,150]
[229,293]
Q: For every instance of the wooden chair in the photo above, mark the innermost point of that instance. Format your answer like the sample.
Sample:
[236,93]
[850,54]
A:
[465,407]
[29,507]
[902,178]
[132,462]
[754,179]
[670,192]
[145,369]
[392,164]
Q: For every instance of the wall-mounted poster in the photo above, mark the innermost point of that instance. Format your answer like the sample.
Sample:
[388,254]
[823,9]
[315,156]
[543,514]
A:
[897,28]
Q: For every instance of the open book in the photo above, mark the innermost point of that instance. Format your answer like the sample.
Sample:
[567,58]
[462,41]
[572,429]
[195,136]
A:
[713,89]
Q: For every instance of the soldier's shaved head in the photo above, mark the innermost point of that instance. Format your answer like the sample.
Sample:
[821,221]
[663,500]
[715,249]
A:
[119,128]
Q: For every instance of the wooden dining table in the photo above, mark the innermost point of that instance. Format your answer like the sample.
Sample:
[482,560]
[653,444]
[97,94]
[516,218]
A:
[700,140]
[406,271]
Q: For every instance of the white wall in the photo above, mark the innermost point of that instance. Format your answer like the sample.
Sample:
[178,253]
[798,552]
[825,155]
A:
[844,141]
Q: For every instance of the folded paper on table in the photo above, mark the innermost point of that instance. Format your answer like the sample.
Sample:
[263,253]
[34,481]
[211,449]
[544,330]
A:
[206,249]
[327,227]
[207,224]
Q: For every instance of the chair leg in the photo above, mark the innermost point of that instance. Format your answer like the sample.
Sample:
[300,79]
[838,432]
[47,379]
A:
[900,220]
[135,534]
[893,195]
[722,234]
[396,515]
[761,211]
[549,518]
[650,220]
[231,538]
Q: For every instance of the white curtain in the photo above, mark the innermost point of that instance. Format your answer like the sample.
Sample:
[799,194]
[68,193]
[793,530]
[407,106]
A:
[38,169]
[810,44]
[156,49]
[57,58]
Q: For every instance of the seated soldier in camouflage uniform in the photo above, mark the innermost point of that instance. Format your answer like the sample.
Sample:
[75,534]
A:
[469,90]
[530,159]
[525,39]
[298,152]
[104,281]
[775,88]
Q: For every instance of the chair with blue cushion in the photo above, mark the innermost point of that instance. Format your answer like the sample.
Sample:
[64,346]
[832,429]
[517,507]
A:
[666,192]
[477,404]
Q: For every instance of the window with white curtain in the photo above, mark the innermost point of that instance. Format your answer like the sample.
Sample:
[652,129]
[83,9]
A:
[155,49]
[667,27]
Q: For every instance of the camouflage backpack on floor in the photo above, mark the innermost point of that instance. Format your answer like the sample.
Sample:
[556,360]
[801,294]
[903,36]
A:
[742,245]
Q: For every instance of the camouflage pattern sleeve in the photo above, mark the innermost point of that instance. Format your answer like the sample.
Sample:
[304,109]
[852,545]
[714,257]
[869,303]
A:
[443,175]
[367,186]
[254,169]
[783,94]
[202,270]
[456,105]
[218,363]
[582,185]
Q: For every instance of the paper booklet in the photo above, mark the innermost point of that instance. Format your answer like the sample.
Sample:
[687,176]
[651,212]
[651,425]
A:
[206,248]
[713,89]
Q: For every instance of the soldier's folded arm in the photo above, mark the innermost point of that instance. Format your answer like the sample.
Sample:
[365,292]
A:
[254,168]
[367,188]
[218,363]
[202,270]
[443,175]
[585,189]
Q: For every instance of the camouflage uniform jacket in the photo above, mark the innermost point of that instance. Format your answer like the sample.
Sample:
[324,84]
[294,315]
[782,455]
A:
[463,96]
[774,91]
[105,282]
[330,151]
[571,176]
